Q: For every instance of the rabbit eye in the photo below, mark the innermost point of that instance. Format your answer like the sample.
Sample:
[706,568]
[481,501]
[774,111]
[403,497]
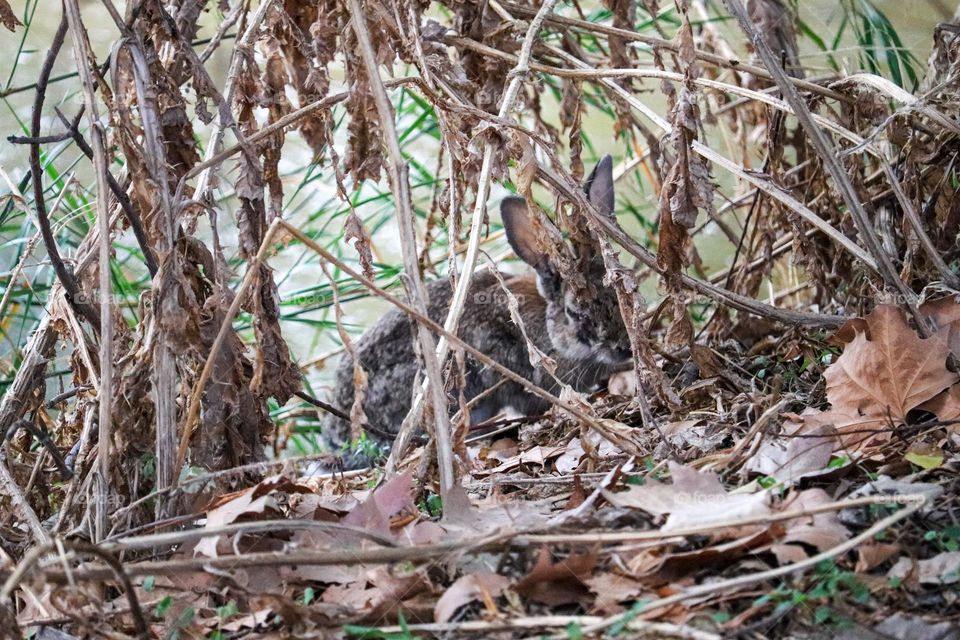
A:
[573,314]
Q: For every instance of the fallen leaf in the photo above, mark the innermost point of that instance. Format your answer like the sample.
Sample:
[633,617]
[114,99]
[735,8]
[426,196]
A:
[611,589]
[388,501]
[694,434]
[241,506]
[891,372]
[570,458]
[802,452]
[555,584]
[924,455]
[695,499]
[872,555]
[820,531]
[467,589]
[943,568]
[945,314]
[946,406]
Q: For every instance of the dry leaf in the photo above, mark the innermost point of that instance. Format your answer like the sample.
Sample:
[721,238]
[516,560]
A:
[803,452]
[555,584]
[892,372]
[820,531]
[467,589]
[872,555]
[8,17]
[943,568]
[695,499]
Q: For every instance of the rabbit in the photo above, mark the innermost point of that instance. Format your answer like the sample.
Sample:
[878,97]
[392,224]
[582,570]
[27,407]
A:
[580,328]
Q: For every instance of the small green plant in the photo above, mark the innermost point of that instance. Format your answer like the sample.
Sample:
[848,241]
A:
[831,585]
[223,614]
[163,606]
[767,482]
[433,505]
[947,539]
[308,596]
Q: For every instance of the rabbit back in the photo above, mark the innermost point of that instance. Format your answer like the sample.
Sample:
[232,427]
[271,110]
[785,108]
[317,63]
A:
[386,353]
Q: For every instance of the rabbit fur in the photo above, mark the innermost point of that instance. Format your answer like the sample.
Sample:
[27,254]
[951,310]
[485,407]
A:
[579,327]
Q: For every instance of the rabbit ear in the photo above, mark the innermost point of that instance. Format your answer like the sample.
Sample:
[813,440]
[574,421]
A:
[520,234]
[523,241]
[599,186]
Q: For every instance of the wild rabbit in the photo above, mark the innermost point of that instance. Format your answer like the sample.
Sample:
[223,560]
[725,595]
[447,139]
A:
[579,326]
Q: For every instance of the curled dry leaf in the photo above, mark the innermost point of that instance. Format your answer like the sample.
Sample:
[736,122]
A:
[820,531]
[804,451]
[353,231]
[611,589]
[388,501]
[946,406]
[473,587]
[871,556]
[253,502]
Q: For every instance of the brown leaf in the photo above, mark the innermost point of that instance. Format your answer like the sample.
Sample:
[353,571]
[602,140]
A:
[8,17]
[943,568]
[892,372]
[353,230]
[612,589]
[466,589]
[555,584]
[945,314]
[393,498]
[821,531]
[790,459]
[250,502]
[871,556]
[945,405]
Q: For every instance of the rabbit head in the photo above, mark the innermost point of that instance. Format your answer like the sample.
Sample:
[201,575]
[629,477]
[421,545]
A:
[583,317]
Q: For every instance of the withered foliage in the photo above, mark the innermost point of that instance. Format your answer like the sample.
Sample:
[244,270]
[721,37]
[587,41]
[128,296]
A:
[759,422]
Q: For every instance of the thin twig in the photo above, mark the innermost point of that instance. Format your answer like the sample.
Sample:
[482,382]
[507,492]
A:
[133,219]
[670,45]
[84,58]
[64,275]
[914,502]
[400,183]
